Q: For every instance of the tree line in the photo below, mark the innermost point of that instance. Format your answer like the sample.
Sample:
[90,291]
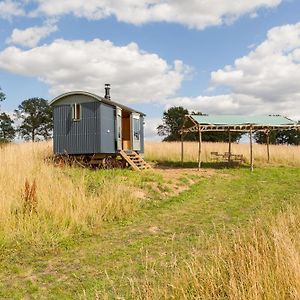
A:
[173,119]
[32,120]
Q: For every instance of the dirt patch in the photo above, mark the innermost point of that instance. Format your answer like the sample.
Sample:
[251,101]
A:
[154,229]
[140,194]
[178,180]
[176,173]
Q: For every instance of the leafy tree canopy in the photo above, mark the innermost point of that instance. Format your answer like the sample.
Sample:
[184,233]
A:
[290,137]
[173,120]
[36,117]
[7,131]
[2,95]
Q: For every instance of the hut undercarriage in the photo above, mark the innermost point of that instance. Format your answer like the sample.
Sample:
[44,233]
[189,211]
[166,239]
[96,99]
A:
[123,159]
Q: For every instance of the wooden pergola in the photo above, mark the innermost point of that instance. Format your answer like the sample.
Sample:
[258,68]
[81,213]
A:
[233,123]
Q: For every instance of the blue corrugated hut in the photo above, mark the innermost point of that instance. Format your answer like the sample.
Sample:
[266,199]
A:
[87,124]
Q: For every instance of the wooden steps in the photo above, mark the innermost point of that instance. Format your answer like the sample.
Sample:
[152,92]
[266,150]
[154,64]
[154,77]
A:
[135,160]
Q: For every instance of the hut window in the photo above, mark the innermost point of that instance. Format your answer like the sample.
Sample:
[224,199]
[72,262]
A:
[76,112]
[136,129]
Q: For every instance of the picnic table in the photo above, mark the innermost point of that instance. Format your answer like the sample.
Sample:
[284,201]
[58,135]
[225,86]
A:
[226,156]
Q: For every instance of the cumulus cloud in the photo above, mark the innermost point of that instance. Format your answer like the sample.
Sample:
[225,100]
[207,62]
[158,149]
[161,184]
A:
[31,36]
[271,71]
[79,65]
[192,13]
[262,82]
[236,104]
[10,8]
[151,128]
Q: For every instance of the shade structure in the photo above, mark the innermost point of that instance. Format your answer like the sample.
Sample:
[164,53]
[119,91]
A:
[235,123]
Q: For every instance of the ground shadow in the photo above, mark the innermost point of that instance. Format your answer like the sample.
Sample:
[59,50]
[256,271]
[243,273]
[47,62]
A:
[204,165]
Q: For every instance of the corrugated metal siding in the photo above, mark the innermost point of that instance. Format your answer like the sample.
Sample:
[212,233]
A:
[60,114]
[75,137]
[94,133]
[107,128]
[98,128]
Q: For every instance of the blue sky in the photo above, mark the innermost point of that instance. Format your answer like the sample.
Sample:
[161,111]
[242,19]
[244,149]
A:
[233,57]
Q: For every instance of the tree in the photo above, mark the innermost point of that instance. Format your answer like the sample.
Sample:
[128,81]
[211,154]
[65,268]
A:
[2,95]
[36,117]
[173,120]
[290,137]
[7,131]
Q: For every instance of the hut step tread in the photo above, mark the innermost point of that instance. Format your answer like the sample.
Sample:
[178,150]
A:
[135,161]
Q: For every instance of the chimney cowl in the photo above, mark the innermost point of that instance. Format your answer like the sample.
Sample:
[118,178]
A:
[107,91]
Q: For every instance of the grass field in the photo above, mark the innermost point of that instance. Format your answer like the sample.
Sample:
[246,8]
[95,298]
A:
[162,234]
[171,152]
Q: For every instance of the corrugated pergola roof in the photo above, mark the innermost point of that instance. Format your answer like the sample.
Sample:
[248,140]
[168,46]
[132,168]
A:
[242,120]
[237,123]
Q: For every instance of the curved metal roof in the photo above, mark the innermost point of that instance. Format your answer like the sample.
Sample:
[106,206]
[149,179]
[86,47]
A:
[96,97]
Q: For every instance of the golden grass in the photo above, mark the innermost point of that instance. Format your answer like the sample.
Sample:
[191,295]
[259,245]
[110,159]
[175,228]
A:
[171,151]
[260,263]
[63,202]
[39,201]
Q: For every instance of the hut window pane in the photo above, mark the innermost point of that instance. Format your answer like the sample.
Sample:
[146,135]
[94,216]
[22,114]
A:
[136,129]
[76,112]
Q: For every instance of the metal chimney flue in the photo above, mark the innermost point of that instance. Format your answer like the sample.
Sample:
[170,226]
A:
[107,91]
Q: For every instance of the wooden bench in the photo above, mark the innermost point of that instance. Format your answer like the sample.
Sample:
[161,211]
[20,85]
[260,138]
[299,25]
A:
[224,157]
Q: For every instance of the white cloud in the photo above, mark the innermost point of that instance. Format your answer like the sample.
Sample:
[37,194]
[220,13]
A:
[234,104]
[192,13]
[151,128]
[271,71]
[31,36]
[262,82]
[10,8]
[79,65]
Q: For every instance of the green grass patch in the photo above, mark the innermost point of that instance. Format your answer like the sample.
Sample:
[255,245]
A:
[102,261]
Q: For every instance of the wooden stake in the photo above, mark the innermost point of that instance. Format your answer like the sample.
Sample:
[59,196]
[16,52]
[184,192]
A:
[181,149]
[200,148]
[268,145]
[251,150]
[229,146]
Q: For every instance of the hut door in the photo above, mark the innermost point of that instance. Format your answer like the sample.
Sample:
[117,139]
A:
[136,132]
[119,128]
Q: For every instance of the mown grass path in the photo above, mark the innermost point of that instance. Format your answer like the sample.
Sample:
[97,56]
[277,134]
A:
[120,250]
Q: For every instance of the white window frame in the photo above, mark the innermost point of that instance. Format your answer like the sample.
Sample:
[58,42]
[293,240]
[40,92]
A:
[75,113]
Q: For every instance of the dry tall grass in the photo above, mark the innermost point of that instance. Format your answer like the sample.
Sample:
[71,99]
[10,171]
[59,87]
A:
[62,202]
[171,151]
[261,263]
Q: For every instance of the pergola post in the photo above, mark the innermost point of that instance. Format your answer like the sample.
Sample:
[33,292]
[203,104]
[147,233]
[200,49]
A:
[199,148]
[268,145]
[251,149]
[229,145]
[181,136]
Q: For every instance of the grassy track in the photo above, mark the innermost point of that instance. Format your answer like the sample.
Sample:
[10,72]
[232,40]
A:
[101,264]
